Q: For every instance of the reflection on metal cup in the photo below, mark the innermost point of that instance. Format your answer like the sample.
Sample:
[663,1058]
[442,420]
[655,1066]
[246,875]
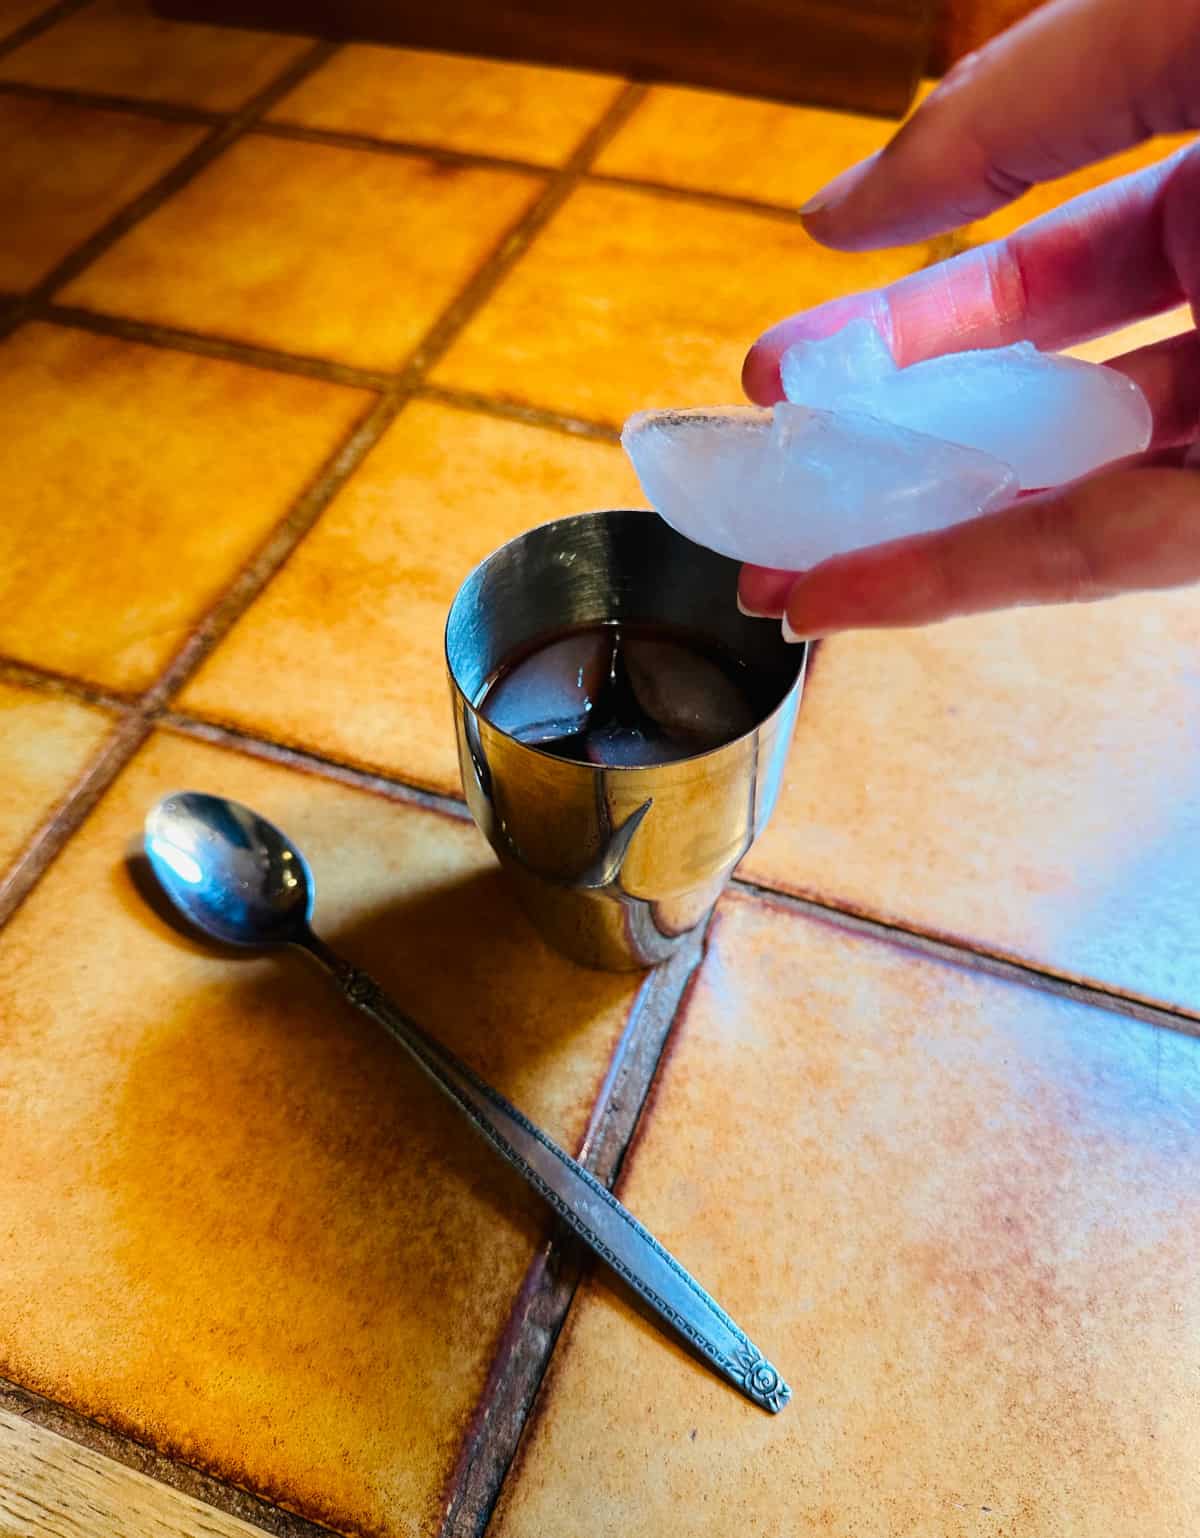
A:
[615,865]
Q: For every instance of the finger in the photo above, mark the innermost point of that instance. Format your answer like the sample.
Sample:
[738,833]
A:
[1124,531]
[763,591]
[1168,374]
[1074,82]
[1115,255]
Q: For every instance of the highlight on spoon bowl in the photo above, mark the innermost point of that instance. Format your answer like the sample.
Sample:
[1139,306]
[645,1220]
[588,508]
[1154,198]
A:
[228,871]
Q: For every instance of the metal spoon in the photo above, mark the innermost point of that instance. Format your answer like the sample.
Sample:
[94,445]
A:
[236,877]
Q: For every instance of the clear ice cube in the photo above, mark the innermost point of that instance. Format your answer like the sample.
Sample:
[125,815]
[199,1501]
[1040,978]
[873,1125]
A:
[550,694]
[684,693]
[793,486]
[822,373]
[1051,418]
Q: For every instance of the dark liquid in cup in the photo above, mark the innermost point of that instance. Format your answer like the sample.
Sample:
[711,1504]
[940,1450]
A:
[627,693]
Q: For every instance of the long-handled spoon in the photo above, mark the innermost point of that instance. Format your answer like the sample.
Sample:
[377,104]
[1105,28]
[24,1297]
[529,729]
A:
[239,879]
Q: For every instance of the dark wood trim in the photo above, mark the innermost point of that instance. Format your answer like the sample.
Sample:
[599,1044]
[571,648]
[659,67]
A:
[859,55]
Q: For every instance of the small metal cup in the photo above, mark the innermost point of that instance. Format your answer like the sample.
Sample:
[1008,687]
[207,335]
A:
[616,866]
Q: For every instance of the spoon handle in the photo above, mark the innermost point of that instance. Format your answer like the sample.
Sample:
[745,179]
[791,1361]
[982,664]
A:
[577,1196]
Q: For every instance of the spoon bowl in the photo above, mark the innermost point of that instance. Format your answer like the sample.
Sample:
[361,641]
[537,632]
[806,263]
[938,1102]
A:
[230,872]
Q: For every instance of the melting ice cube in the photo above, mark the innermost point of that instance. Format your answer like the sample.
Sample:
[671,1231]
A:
[1051,418]
[863,451]
[689,696]
[791,486]
[823,373]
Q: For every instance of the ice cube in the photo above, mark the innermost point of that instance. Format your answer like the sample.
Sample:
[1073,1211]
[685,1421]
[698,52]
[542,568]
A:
[1051,418]
[550,693]
[689,696]
[792,486]
[627,747]
[823,373]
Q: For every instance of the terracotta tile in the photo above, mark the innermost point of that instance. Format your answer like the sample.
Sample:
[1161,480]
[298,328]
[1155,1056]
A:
[45,743]
[1041,199]
[1142,333]
[628,299]
[138,482]
[121,47]
[1021,781]
[350,633]
[15,13]
[65,170]
[337,253]
[252,1233]
[484,106]
[739,145]
[959,1215]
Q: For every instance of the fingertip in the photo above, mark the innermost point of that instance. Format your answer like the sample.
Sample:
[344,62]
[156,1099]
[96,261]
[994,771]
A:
[760,373]
[763,591]
[792,636]
[822,215]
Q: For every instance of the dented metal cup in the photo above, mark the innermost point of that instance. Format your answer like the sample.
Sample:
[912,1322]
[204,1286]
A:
[616,866]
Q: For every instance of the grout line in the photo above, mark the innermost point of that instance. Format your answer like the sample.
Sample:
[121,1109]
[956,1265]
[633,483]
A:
[549,1288]
[173,339]
[27,675]
[443,154]
[40,23]
[262,566]
[307,762]
[104,101]
[961,953]
[440,336]
[127,1450]
[939,947]
[708,197]
[50,839]
[255,575]
[550,1283]
[513,411]
[559,186]
[171,181]
[53,834]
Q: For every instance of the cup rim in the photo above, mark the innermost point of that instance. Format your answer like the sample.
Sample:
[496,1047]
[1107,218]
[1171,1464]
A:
[802,650]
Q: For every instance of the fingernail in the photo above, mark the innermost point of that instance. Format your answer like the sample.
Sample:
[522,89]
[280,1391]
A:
[751,613]
[1191,460]
[790,636]
[838,189]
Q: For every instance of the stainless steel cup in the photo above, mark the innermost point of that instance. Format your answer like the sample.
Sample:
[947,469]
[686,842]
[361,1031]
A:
[616,866]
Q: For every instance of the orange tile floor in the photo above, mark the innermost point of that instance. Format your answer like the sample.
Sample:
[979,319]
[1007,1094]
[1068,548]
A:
[290,336]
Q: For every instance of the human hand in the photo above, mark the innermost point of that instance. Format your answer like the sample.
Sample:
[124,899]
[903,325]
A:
[1073,83]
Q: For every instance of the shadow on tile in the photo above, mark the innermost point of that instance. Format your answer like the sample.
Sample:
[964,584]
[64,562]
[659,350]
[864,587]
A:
[330,1131]
[252,1234]
[122,47]
[402,948]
